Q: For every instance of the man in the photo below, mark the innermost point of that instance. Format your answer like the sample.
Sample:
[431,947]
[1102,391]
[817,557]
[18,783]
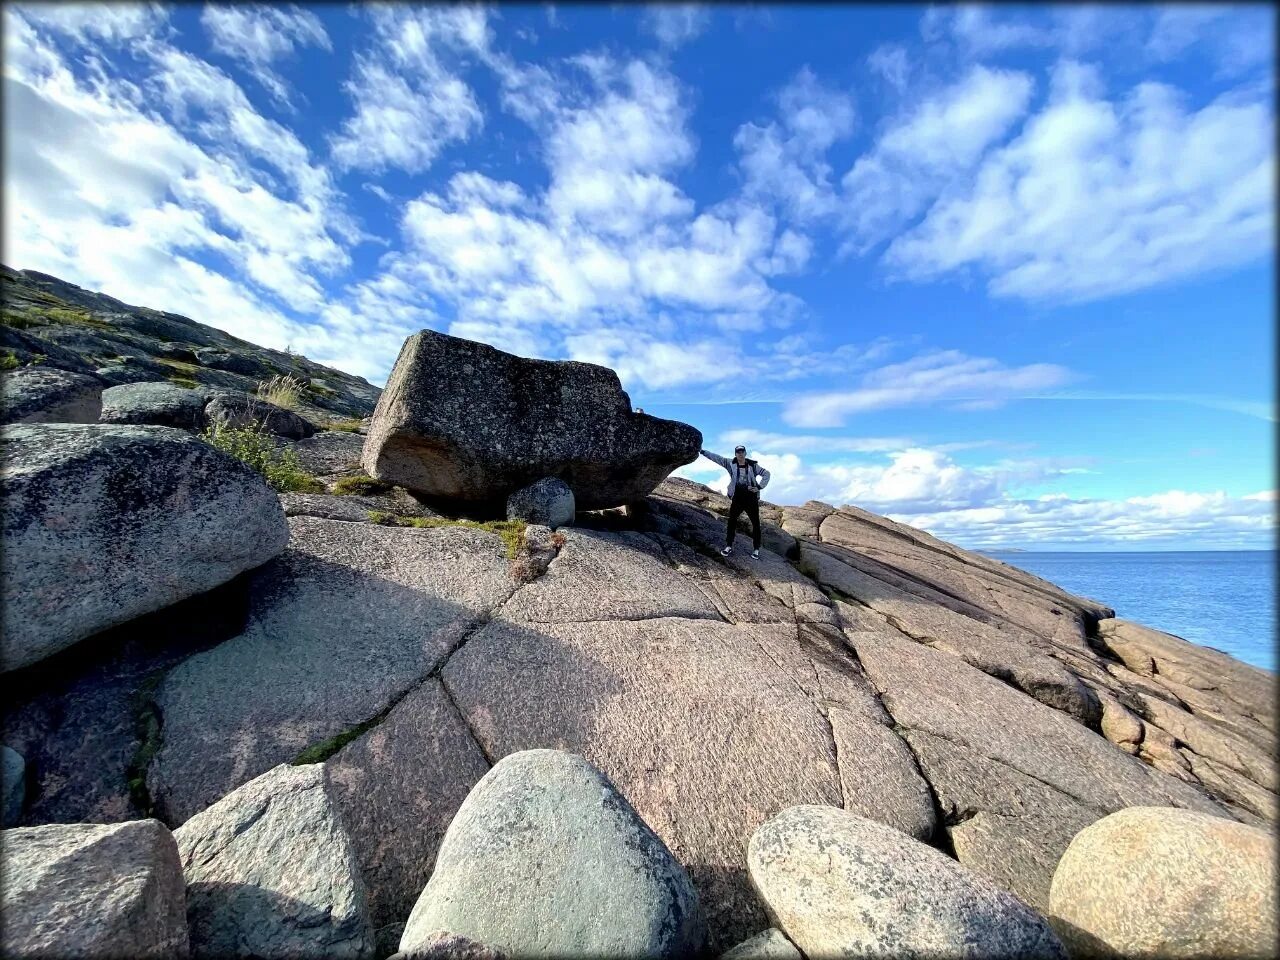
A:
[746,479]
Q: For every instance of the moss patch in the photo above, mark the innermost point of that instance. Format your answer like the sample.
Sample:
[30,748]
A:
[512,532]
[346,426]
[8,360]
[359,485]
[147,730]
[322,751]
[183,382]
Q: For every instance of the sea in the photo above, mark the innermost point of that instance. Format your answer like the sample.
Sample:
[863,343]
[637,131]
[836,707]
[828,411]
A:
[1221,599]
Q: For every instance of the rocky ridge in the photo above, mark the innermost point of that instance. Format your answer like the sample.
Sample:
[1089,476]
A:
[965,719]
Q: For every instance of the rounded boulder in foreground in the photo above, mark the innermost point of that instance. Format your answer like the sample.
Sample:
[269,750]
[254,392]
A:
[548,502]
[546,859]
[840,885]
[1167,882]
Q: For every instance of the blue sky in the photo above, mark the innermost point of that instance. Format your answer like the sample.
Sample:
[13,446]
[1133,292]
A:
[1003,273]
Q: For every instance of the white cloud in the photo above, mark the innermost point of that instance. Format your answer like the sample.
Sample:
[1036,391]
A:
[410,101]
[260,35]
[890,62]
[947,376]
[1096,198]
[1238,38]
[784,162]
[923,152]
[87,23]
[675,24]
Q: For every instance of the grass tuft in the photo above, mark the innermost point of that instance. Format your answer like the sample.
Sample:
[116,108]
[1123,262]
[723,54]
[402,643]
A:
[9,360]
[251,445]
[282,390]
[512,532]
[359,485]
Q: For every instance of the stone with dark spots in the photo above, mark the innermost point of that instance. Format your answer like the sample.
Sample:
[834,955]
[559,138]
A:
[156,403]
[236,409]
[548,502]
[545,858]
[466,421]
[104,522]
[40,394]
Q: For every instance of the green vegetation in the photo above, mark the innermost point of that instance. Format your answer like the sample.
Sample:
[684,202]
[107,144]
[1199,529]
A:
[512,532]
[360,484]
[183,381]
[76,316]
[282,390]
[18,321]
[322,751]
[258,449]
[320,391]
[180,367]
[9,360]
[346,426]
[146,728]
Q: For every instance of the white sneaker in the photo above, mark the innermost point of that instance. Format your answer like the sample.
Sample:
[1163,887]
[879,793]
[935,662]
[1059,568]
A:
[726,551]
[755,554]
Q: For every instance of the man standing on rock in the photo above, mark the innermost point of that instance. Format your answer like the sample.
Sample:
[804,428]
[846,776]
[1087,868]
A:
[746,479]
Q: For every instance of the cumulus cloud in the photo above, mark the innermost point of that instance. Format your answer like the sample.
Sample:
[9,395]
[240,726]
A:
[675,24]
[1096,198]
[410,99]
[946,376]
[259,36]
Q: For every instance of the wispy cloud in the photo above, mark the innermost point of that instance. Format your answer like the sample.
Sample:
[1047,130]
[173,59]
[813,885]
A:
[261,36]
[675,24]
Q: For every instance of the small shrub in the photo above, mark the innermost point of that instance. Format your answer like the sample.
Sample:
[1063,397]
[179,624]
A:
[346,426]
[249,444]
[512,532]
[282,390]
[361,484]
[9,360]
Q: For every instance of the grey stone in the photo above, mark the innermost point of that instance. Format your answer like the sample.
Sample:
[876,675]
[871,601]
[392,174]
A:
[546,858]
[40,394]
[340,627]
[771,944]
[463,420]
[121,373]
[270,872]
[449,946]
[156,403]
[840,885]
[242,363]
[398,786]
[1162,882]
[172,350]
[239,410]
[92,890]
[547,501]
[14,784]
[691,719]
[879,777]
[103,523]
[329,452]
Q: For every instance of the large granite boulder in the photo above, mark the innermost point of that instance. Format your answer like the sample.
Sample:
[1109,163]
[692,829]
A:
[840,885]
[41,394]
[157,403]
[1164,882]
[464,420]
[270,872]
[92,890]
[546,859]
[103,523]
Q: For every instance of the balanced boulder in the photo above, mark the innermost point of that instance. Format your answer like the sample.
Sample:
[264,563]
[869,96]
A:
[92,890]
[39,394]
[466,421]
[548,502]
[103,523]
[270,872]
[546,859]
[158,403]
[1166,882]
[237,409]
[840,885]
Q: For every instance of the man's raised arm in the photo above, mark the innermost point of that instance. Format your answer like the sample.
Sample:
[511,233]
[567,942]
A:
[715,458]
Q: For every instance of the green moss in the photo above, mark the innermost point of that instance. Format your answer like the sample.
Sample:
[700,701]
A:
[183,381]
[361,484]
[321,391]
[512,532]
[181,366]
[322,751]
[74,316]
[9,360]
[346,426]
[18,321]
[281,468]
[147,730]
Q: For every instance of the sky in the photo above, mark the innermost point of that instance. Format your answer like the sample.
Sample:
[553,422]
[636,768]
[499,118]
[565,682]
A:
[1003,273]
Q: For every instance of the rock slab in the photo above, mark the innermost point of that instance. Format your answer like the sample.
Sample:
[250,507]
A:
[48,395]
[840,885]
[270,872]
[1165,882]
[93,890]
[103,523]
[466,421]
[14,785]
[156,403]
[546,859]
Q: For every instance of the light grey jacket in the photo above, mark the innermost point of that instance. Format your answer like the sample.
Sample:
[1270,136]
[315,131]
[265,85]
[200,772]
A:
[755,479]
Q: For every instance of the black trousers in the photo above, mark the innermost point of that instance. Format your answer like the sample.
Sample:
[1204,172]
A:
[748,500]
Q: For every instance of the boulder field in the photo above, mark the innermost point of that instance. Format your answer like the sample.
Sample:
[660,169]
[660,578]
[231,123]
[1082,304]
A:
[364,722]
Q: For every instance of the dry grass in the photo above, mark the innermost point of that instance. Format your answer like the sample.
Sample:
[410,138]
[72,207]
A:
[282,390]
